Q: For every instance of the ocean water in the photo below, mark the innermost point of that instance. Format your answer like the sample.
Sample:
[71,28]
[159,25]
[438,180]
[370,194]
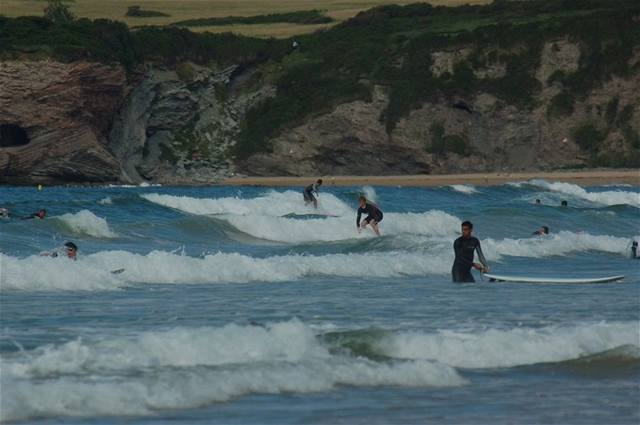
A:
[240,305]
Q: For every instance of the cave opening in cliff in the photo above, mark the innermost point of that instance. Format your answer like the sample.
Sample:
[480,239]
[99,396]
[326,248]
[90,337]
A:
[12,135]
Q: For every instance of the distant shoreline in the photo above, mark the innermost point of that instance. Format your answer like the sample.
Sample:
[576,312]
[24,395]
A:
[585,178]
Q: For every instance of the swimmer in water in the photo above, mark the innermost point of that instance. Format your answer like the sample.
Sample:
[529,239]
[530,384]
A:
[542,231]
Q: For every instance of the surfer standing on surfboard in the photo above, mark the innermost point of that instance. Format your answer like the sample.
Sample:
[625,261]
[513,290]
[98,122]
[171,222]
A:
[465,247]
[374,215]
[308,192]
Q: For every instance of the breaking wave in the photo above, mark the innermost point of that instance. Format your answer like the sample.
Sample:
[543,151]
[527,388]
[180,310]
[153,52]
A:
[282,229]
[612,197]
[494,348]
[271,203]
[85,222]
[190,367]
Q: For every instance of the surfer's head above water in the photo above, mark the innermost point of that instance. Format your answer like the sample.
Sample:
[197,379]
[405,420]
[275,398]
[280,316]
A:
[71,249]
[544,230]
[319,181]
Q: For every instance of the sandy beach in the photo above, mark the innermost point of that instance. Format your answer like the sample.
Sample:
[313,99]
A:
[583,178]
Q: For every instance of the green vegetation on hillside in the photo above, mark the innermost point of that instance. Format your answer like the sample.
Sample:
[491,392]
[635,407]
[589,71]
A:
[497,48]
[112,42]
[305,17]
[392,46]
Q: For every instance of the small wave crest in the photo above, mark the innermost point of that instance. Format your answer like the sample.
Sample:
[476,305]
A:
[464,188]
[289,230]
[556,244]
[272,204]
[611,197]
[85,222]
[513,347]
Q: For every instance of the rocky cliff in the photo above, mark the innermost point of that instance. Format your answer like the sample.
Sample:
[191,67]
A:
[485,132]
[363,98]
[55,120]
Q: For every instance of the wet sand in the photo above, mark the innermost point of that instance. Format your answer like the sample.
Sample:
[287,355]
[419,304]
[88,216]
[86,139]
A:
[583,178]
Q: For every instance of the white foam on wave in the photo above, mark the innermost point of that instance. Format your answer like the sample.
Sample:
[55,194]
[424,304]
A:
[106,201]
[92,272]
[189,367]
[494,348]
[560,243]
[37,273]
[272,203]
[370,193]
[85,222]
[281,229]
[425,257]
[132,186]
[467,189]
[612,197]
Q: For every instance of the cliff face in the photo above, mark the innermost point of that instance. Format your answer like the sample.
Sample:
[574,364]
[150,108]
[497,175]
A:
[490,134]
[367,97]
[177,126]
[83,122]
[55,119]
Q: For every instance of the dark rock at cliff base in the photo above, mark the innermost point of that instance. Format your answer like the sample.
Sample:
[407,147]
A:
[55,119]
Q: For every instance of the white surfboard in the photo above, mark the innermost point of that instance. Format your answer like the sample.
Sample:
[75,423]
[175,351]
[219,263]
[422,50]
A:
[523,279]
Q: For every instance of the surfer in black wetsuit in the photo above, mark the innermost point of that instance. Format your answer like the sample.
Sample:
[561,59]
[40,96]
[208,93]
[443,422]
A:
[308,192]
[465,247]
[374,215]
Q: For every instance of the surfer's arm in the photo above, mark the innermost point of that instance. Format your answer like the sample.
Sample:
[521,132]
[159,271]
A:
[358,218]
[483,260]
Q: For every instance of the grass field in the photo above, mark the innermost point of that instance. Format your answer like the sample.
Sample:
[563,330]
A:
[179,10]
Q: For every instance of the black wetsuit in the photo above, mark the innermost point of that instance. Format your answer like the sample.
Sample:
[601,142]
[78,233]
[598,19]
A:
[372,211]
[464,249]
[309,191]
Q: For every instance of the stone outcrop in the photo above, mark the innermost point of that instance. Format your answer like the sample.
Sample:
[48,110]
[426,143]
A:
[179,130]
[65,112]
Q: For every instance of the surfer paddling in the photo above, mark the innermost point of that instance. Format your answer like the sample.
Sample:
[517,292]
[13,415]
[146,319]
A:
[40,214]
[465,247]
[374,215]
[308,193]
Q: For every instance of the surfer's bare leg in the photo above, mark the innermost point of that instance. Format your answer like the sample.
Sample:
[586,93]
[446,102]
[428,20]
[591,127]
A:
[374,226]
